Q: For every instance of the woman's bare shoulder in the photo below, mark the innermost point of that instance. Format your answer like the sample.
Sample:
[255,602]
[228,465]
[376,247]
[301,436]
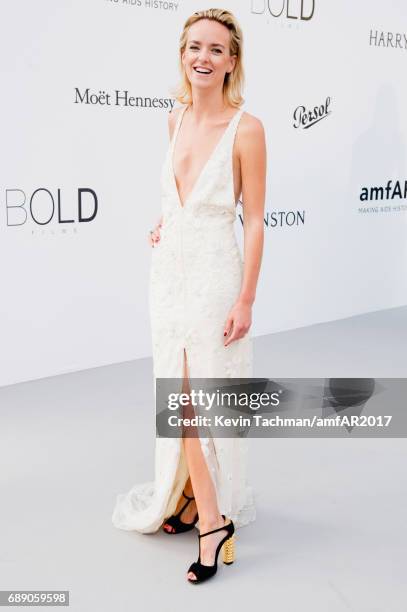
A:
[250,125]
[250,135]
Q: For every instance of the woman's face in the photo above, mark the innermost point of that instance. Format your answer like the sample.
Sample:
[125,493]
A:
[207,48]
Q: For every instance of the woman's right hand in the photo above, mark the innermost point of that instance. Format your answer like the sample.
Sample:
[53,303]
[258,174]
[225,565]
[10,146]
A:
[154,235]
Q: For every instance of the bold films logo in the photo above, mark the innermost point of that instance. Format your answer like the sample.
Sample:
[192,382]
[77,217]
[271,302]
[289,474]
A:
[44,209]
[298,10]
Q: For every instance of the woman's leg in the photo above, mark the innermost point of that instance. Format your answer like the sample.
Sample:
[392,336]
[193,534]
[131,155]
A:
[203,488]
[189,513]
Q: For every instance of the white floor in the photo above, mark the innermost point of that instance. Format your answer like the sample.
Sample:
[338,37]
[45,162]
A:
[330,534]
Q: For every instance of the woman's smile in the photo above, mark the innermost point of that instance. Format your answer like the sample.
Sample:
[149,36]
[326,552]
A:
[204,71]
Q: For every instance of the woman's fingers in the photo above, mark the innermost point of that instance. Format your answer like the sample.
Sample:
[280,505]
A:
[235,335]
[154,236]
[238,331]
[228,325]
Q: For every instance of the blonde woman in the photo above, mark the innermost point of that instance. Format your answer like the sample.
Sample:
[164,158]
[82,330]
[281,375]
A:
[201,292]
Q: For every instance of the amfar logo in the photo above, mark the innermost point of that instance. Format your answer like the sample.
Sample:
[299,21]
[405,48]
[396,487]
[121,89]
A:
[40,207]
[127,2]
[299,9]
[385,39]
[377,193]
[307,118]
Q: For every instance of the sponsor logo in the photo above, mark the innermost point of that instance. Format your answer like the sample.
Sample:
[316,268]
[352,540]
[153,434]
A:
[305,118]
[396,40]
[282,218]
[45,208]
[398,190]
[146,4]
[119,98]
[302,10]
[392,191]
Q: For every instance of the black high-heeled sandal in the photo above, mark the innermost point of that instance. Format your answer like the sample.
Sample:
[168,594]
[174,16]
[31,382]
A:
[203,572]
[175,522]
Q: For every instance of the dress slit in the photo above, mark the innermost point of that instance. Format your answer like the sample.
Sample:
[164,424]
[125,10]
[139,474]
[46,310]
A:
[206,442]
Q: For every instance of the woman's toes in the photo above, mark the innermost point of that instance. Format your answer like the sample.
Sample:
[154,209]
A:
[191,576]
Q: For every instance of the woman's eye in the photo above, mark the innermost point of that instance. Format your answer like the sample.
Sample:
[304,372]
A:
[194,47]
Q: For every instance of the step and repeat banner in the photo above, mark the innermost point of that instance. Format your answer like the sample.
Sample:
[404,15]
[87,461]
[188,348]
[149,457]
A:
[86,91]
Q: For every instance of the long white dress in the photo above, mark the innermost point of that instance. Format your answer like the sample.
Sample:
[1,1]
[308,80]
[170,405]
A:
[196,275]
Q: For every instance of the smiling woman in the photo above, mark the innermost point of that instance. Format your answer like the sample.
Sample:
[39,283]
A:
[201,294]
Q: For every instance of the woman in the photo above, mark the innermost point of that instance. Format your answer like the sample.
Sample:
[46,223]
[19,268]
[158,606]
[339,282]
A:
[201,294]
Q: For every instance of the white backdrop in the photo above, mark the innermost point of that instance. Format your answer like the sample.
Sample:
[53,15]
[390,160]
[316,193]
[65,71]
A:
[74,294]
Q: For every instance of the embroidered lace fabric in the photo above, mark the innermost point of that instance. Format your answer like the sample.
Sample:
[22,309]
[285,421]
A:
[196,274]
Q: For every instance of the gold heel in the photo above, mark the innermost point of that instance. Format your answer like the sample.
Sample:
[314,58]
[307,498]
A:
[228,550]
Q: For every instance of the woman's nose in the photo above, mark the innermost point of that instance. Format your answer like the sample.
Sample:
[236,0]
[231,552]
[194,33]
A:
[203,56]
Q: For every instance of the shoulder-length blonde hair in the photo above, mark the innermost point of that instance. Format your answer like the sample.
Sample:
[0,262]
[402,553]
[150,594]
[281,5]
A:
[234,81]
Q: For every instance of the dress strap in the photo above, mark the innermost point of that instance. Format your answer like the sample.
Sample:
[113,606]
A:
[235,122]
[178,123]
[231,133]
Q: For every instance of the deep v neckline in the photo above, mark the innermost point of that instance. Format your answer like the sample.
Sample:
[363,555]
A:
[206,164]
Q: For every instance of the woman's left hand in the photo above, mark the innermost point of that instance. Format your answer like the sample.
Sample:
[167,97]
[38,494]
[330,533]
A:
[238,322]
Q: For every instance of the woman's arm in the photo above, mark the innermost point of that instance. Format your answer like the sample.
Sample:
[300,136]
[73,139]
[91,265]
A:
[253,164]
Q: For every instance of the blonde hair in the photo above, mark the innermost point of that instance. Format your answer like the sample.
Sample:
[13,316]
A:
[234,81]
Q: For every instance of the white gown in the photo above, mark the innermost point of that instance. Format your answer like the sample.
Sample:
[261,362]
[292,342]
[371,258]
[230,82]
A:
[196,275]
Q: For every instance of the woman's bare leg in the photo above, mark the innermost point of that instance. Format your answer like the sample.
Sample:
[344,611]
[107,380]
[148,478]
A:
[188,515]
[203,488]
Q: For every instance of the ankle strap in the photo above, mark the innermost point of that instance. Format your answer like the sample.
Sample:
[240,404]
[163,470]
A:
[201,535]
[187,496]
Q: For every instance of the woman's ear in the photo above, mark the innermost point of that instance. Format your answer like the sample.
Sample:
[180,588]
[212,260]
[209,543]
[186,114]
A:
[234,60]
